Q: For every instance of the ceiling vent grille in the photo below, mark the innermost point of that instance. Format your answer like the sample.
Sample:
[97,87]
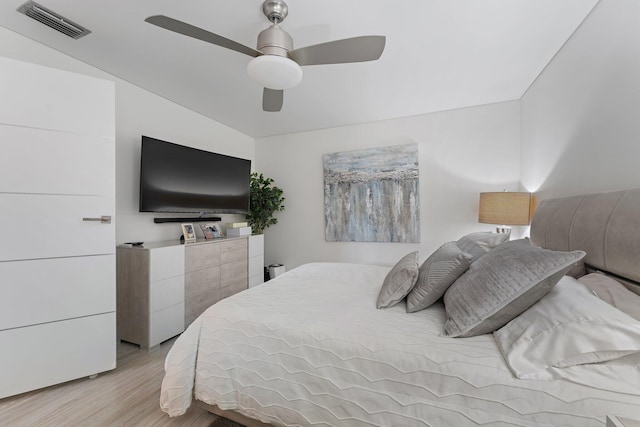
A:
[53,20]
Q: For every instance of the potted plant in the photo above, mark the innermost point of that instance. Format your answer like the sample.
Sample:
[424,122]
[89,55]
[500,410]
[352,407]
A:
[264,200]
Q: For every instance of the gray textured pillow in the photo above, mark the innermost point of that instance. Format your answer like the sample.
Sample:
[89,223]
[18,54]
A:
[399,281]
[436,274]
[481,242]
[501,285]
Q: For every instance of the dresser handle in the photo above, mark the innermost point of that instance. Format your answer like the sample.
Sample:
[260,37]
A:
[104,219]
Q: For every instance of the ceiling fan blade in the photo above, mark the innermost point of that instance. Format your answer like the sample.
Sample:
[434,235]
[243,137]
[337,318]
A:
[272,100]
[200,34]
[355,49]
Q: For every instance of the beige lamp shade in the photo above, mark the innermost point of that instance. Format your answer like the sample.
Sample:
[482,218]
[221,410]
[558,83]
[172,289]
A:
[506,208]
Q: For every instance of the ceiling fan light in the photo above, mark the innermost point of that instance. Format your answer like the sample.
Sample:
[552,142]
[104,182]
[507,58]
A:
[274,72]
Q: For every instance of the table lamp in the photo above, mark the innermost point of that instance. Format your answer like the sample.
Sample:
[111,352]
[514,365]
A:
[505,209]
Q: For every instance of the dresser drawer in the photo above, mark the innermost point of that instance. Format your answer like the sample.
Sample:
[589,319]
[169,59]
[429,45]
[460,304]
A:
[165,324]
[199,303]
[233,250]
[202,256]
[166,262]
[256,266]
[233,288]
[256,245]
[202,282]
[233,272]
[165,293]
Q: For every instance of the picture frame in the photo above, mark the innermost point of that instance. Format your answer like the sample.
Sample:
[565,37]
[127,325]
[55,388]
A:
[211,230]
[217,230]
[188,232]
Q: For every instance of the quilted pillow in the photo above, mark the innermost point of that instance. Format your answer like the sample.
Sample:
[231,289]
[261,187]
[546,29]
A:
[501,285]
[399,281]
[481,242]
[436,274]
[569,326]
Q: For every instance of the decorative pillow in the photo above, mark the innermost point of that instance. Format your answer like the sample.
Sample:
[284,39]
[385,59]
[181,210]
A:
[613,292]
[569,326]
[579,269]
[399,281]
[501,285]
[481,242]
[436,274]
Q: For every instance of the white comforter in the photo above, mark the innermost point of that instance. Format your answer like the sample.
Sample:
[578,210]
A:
[310,348]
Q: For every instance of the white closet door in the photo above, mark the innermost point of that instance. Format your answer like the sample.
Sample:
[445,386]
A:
[51,353]
[41,97]
[57,268]
[46,290]
[73,163]
[53,226]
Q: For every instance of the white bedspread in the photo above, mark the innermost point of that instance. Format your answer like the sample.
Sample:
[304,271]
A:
[310,348]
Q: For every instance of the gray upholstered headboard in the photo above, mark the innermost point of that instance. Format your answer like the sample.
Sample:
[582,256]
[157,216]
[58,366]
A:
[604,225]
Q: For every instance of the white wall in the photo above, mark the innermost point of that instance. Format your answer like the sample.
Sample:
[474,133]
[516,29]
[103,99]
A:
[462,152]
[581,118]
[138,112]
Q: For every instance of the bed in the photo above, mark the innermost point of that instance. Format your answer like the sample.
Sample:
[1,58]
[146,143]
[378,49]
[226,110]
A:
[310,348]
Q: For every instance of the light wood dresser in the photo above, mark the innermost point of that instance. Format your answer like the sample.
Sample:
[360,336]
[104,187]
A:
[164,286]
[213,272]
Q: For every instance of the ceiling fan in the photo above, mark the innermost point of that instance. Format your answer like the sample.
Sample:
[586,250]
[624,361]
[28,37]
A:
[275,64]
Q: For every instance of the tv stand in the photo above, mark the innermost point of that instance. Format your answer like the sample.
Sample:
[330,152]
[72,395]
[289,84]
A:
[162,287]
[188,219]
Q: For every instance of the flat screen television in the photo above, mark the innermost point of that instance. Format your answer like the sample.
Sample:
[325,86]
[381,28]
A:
[175,178]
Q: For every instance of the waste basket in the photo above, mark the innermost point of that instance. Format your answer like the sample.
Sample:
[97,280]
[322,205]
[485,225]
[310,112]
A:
[275,270]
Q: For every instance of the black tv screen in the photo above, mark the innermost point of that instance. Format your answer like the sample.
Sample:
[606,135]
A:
[175,178]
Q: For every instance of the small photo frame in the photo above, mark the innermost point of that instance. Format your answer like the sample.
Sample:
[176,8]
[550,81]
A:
[211,230]
[189,233]
[217,230]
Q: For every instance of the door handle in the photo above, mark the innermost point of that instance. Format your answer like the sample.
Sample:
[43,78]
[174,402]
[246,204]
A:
[104,219]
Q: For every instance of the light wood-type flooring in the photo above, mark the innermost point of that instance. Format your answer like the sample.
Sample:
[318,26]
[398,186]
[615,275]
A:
[126,396]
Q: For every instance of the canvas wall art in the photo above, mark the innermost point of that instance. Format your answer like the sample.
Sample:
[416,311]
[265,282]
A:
[372,195]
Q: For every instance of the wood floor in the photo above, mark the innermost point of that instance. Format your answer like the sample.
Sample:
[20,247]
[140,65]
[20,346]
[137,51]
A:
[126,396]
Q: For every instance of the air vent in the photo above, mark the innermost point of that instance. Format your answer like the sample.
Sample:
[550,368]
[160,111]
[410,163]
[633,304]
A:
[53,20]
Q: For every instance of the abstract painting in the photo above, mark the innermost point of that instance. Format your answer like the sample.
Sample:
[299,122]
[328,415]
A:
[372,195]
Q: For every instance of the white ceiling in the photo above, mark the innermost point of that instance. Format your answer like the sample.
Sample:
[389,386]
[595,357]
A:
[440,54]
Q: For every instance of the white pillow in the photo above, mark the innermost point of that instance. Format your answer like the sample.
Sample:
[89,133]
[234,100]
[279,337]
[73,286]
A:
[613,292]
[569,326]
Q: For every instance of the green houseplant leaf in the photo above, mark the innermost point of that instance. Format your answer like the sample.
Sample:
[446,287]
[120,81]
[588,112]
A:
[265,200]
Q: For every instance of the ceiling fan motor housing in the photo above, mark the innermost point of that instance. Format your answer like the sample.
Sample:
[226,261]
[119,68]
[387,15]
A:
[275,10]
[275,41]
